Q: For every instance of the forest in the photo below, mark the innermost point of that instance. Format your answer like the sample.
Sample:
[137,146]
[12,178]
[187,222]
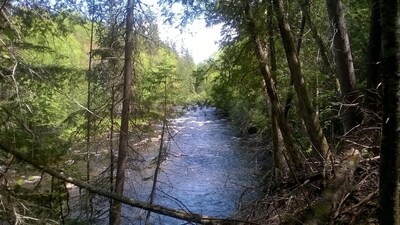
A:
[310,87]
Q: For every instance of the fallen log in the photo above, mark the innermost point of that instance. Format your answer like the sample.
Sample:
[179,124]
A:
[335,189]
[174,213]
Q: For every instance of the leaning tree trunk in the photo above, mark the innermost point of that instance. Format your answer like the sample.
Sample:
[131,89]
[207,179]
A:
[326,67]
[290,95]
[389,185]
[307,112]
[278,150]
[115,211]
[293,157]
[344,64]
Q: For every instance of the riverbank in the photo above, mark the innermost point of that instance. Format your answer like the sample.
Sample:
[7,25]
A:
[287,202]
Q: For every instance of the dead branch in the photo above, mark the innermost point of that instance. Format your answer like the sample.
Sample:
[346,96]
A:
[363,201]
[336,188]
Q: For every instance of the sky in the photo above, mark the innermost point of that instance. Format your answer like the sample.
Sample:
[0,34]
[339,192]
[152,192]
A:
[201,41]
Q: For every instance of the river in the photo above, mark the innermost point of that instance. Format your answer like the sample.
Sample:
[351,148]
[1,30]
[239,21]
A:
[207,170]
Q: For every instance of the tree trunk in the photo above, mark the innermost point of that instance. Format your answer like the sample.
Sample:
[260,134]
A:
[111,143]
[290,95]
[115,211]
[344,64]
[372,101]
[294,158]
[113,97]
[307,112]
[278,150]
[327,67]
[89,112]
[161,151]
[389,184]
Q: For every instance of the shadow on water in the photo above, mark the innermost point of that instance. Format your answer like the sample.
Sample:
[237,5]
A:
[206,170]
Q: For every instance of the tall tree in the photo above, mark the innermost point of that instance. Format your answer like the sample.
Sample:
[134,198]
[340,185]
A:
[389,184]
[307,111]
[278,150]
[344,64]
[293,158]
[89,106]
[115,211]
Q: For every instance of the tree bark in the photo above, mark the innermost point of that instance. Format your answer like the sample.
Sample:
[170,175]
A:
[115,211]
[389,181]
[307,112]
[278,150]
[344,65]
[294,158]
[290,95]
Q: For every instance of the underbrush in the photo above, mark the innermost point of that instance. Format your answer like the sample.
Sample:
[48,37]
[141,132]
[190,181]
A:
[295,201]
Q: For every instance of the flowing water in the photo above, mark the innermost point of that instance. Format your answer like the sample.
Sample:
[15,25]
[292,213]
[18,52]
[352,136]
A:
[206,170]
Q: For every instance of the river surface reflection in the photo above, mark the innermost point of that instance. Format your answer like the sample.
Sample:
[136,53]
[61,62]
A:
[206,170]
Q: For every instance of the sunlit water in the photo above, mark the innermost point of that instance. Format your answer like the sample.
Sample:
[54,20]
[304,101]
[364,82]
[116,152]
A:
[206,171]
